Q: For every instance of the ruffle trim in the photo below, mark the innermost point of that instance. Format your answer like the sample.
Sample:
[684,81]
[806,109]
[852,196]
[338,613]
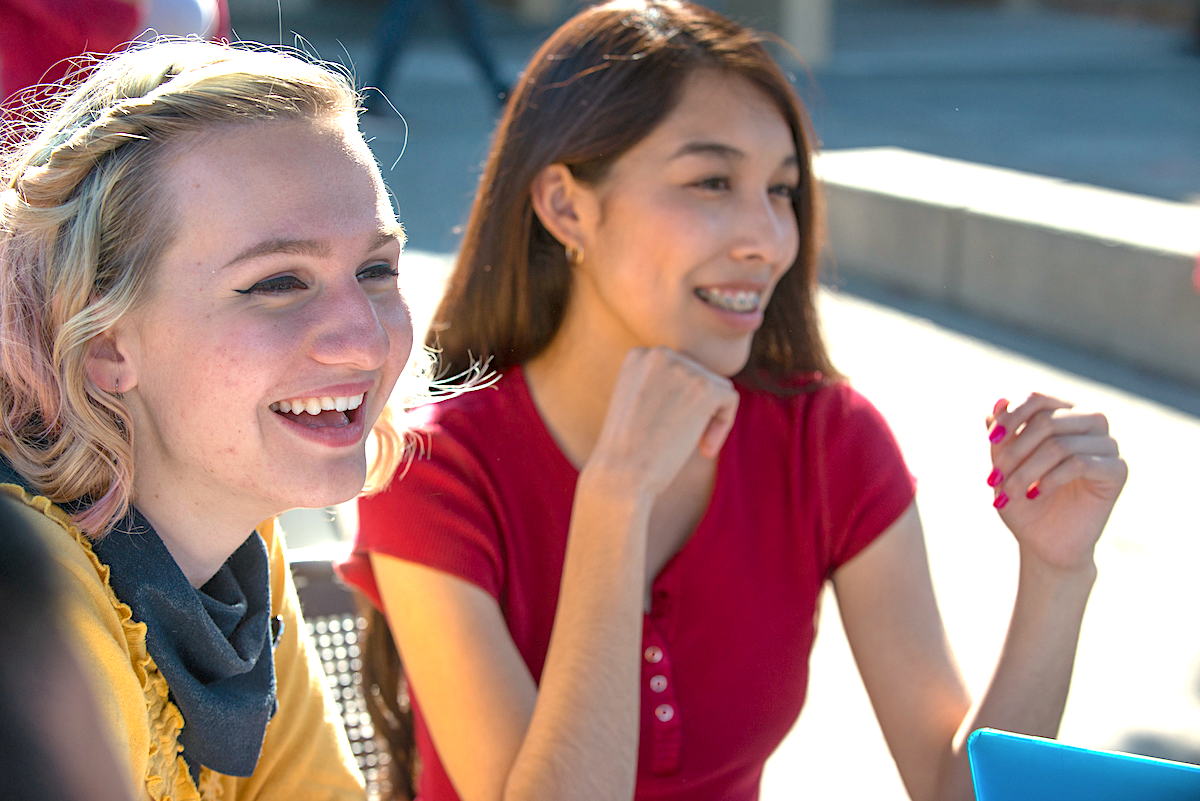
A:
[167,776]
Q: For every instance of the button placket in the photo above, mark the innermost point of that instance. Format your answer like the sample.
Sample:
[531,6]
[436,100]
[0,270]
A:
[659,703]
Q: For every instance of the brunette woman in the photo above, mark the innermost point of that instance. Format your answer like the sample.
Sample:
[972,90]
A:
[201,325]
[603,572]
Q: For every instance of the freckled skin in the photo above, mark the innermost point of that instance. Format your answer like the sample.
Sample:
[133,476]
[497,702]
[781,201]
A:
[208,361]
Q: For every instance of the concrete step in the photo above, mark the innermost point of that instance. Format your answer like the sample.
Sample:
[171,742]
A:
[1103,270]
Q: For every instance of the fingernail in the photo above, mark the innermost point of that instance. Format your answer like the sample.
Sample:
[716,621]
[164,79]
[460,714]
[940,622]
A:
[997,434]
[995,478]
[1001,406]
[1033,492]
[1001,501]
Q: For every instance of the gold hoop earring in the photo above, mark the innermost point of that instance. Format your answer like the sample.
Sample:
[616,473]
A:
[574,255]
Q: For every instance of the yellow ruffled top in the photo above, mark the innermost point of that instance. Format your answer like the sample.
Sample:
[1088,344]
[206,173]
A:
[305,751]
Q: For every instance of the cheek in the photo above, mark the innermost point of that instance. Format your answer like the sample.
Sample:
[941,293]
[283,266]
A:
[400,327]
[239,358]
[397,321]
[649,248]
[217,366]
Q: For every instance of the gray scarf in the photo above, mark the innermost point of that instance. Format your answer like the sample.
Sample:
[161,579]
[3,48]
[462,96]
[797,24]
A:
[214,646]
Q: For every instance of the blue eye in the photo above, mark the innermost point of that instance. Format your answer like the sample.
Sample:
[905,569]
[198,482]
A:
[274,286]
[376,271]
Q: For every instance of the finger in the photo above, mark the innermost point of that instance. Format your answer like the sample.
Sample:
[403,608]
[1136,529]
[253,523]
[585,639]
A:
[1005,423]
[1050,454]
[999,406]
[719,426]
[1016,448]
[1102,470]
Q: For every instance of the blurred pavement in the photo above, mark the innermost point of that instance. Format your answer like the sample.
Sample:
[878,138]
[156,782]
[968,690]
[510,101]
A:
[1107,103]
[1103,102]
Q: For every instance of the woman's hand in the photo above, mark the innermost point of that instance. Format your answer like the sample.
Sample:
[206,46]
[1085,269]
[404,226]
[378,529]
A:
[664,406]
[1057,474]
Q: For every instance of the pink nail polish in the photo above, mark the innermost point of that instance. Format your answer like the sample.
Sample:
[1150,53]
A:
[997,434]
[995,478]
[1001,406]
[1033,492]
[1001,501]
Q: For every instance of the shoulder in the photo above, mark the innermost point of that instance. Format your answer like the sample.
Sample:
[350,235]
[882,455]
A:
[66,544]
[474,409]
[464,437]
[278,570]
[831,408]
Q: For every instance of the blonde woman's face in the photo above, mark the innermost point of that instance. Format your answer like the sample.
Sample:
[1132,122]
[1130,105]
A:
[277,295]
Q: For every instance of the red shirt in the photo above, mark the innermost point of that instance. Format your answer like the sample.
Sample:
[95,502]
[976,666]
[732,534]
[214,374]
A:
[803,484]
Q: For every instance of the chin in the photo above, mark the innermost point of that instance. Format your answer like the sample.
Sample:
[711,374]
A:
[723,361]
[329,487]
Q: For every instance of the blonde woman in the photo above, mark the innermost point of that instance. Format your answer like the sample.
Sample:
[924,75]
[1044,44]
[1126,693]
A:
[201,326]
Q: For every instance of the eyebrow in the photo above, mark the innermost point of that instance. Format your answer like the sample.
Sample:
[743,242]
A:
[309,247]
[723,151]
[709,149]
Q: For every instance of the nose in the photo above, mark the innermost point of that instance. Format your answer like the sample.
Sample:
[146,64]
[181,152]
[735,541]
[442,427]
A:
[766,231]
[361,329]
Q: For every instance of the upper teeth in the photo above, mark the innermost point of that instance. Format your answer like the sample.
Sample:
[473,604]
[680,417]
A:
[317,405]
[741,300]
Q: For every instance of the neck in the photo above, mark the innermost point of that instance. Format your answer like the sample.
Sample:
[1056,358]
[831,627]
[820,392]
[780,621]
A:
[199,535]
[571,383]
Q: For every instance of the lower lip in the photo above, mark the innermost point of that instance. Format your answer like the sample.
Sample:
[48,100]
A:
[328,436]
[745,322]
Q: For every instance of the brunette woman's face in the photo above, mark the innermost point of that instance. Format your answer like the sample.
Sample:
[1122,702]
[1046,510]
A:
[277,294]
[694,226]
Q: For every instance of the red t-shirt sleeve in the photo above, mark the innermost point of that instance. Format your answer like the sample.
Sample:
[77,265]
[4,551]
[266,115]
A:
[438,511]
[863,483]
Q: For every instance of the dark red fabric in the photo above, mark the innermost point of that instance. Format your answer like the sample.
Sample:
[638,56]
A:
[803,484]
[38,38]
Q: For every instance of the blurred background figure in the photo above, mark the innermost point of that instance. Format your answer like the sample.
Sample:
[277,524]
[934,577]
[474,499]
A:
[466,22]
[52,745]
[40,40]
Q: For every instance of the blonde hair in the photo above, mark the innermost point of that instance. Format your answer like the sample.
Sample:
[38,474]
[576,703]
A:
[83,223]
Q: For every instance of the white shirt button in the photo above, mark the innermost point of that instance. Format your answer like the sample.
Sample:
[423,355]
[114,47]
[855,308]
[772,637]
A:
[664,712]
[658,683]
[653,654]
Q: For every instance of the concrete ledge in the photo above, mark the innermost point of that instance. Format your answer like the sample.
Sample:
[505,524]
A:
[1104,270]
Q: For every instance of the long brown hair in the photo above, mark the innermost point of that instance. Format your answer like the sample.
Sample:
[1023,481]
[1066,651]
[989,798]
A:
[598,86]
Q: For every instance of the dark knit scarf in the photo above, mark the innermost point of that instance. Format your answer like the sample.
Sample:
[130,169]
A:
[214,646]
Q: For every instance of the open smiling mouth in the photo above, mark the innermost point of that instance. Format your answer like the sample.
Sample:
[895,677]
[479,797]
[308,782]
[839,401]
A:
[325,412]
[741,300]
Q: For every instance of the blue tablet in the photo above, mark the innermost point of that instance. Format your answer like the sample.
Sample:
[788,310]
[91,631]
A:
[1016,767]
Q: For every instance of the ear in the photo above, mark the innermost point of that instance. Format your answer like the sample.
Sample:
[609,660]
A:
[565,206]
[107,366]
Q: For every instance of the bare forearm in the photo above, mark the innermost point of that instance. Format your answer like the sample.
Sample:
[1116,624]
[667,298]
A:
[1028,690]
[583,737]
